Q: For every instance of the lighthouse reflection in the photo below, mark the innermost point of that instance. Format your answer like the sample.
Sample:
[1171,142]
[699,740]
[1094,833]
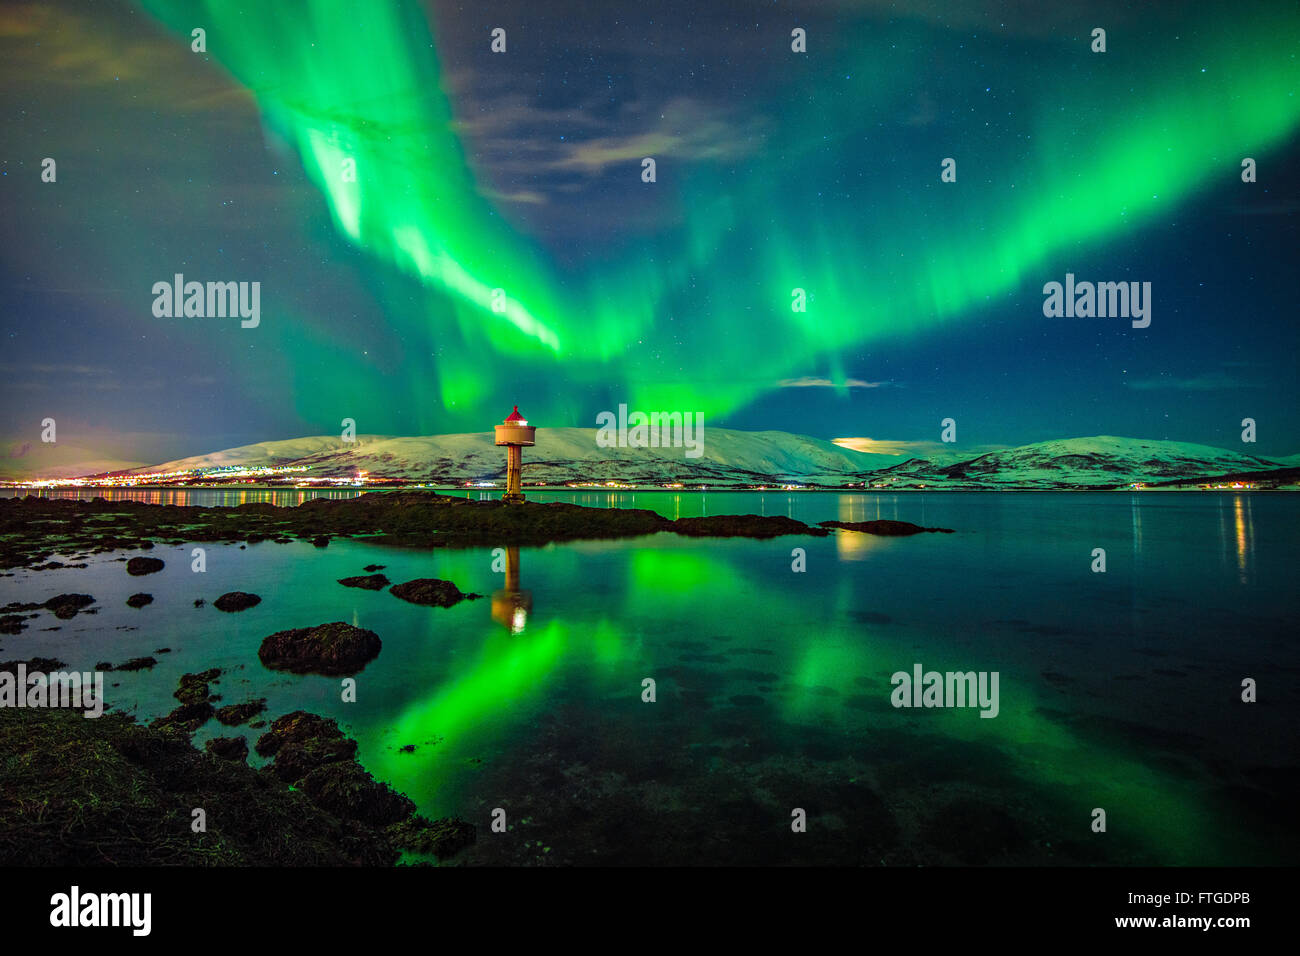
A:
[511,604]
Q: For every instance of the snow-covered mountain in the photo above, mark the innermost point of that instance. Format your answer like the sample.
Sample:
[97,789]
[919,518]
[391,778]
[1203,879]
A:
[1103,460]
[561,454]
[742,458]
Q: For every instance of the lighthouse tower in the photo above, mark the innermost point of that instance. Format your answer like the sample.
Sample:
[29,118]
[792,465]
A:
[515,433]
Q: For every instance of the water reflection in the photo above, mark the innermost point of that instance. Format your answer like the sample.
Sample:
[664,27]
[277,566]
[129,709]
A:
[1245,535]
[190,497]
[511,604]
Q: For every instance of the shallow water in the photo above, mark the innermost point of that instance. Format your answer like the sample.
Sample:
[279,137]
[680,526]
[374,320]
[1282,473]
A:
[1118,691]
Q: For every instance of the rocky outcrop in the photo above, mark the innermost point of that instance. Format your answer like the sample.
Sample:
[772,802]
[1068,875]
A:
[233,601]
[138,566]
[884,527]
[334,648]
[369,582]
[432,592]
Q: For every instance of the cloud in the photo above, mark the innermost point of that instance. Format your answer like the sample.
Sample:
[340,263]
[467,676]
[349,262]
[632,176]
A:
[1207,382]
[809,381]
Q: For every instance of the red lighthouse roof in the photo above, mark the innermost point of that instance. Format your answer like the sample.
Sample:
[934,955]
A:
[515,416]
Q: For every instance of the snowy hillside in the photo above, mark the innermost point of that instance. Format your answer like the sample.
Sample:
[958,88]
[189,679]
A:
[561,454]
[740,458]
[1080,462]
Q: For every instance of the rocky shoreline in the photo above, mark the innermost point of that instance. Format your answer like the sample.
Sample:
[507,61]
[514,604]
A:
[122,794]
[33,529]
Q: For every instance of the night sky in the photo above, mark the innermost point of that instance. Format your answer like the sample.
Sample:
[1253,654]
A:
[522,171]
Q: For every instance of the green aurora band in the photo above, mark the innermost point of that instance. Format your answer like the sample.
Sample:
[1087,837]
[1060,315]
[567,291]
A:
[1104,148]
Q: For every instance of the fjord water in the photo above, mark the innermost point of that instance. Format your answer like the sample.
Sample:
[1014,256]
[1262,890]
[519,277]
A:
[1118,691]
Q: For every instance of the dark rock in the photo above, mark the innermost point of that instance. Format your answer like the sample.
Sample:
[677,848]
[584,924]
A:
[136,664]
[374,567]
[139,600]
[193,688]
[228,748]
[301,742]
[371,582]
[883,526]
[334,648]
[187,717]
[236,714]
[431,591]
[233,601]
[65,606]
[199,602]
[321,541]
[743,526]
[139,566]
[296,728]
[12,624]
[347,790]
[442,838]
[43,664]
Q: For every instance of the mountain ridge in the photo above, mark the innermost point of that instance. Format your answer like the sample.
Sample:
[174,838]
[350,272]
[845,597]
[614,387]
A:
[732,457]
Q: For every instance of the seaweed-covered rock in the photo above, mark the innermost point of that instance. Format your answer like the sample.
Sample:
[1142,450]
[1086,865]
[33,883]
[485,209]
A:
[134,664]
[193,688]
[228,748]
[743,526]
[233,601]
[431,591]
[139,600]
[334,648]
[65,606]
[442,838]
[295,728]
[42,664]
[138,566]
[186,717]
[301,742]
[346,789]
[884,527]
[370,582]
[235,714]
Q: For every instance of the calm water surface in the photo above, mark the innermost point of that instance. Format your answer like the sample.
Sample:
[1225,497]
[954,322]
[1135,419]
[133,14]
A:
[1118,691]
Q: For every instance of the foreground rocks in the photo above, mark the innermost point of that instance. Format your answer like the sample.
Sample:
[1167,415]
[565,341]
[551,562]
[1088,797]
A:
[312,754]
[121,794]
[432,592]
[334,649]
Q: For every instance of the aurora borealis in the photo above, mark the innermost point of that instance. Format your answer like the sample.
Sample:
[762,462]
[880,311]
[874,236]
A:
[521,171]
